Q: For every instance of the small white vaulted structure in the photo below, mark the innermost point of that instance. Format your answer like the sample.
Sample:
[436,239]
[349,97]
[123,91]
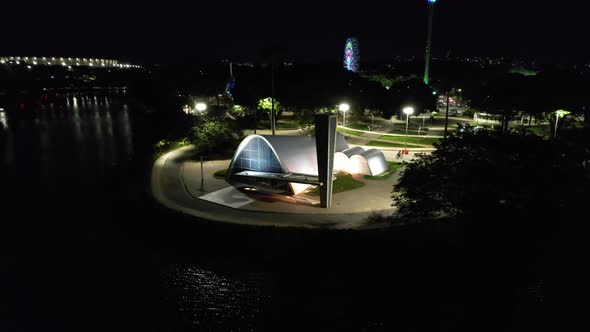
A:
[370,162]
[288,164]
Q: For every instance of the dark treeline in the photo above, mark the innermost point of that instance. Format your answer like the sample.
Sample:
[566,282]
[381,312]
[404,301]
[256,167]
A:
[384,89]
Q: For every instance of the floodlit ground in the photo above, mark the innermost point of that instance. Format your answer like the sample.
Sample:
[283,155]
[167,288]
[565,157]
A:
[176,183]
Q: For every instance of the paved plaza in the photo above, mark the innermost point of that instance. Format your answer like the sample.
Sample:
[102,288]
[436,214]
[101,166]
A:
[176,183]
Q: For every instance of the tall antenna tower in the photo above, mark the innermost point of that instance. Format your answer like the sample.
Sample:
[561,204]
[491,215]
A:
[428,41]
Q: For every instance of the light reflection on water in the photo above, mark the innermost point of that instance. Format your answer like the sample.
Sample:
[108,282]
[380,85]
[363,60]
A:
[207,299]
[83,132]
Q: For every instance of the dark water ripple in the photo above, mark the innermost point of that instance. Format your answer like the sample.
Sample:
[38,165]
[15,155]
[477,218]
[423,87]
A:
[208,300]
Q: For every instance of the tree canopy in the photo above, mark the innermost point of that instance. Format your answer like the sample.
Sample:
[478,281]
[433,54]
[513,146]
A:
[481,172]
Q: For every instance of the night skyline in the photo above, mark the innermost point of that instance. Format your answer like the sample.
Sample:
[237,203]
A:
[307,31]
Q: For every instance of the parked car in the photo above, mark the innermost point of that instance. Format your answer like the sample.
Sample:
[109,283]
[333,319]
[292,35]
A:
[453,112]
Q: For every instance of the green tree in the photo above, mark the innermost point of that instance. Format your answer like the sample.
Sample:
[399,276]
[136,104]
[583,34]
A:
[213,134]
[382,79]
[306,117]
[265,105]
[478,172]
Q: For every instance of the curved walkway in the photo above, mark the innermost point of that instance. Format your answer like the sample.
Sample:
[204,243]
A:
[176,183]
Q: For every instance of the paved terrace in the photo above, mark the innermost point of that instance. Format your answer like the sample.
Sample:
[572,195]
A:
[176,183]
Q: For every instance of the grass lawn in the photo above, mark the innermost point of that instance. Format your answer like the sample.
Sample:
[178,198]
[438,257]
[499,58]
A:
[416,140]
[544,130]
[391,168]
[384,144]
[220,174]
[410,131]
[282,124]
[350,132]
[343,182]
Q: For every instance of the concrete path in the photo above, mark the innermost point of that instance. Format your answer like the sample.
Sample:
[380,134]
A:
[176,183]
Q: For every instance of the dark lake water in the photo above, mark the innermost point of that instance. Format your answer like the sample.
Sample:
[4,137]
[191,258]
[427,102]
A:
[86,248]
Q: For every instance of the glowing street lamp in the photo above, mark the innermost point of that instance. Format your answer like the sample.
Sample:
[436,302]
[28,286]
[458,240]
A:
[201,107]
[559,114]
[408,111]
[344,108]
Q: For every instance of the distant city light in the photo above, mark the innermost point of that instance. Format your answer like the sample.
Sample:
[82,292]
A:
[29,67]
[431,1]
[64,61]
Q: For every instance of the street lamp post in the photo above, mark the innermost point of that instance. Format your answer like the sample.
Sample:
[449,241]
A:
[408,111]
[343,108]
[556,123]
[558,114]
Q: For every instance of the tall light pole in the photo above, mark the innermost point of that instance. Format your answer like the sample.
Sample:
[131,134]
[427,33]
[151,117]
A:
[272,98]
[408,111]
[558,114]
[428,41]
[343,108]
[447,115]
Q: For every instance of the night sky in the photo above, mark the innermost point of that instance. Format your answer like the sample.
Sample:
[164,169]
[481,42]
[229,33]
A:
[305,30]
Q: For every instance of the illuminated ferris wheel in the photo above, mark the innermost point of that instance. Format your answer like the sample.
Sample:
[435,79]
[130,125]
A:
[351,54]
